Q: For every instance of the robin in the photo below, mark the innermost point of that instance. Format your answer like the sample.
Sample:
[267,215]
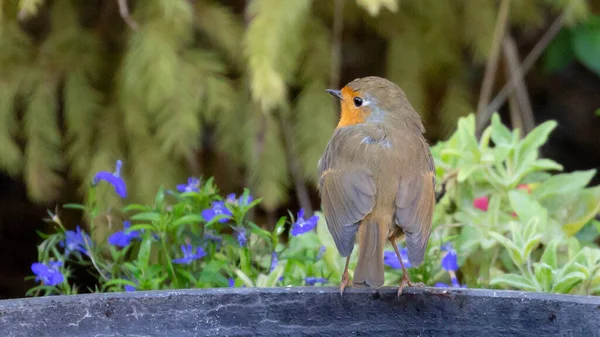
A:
[377,179]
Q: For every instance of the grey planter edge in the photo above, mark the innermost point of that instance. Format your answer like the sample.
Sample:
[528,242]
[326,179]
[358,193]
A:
[303,311]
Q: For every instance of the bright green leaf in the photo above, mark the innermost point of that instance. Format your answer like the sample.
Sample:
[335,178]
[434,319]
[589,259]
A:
[514,281]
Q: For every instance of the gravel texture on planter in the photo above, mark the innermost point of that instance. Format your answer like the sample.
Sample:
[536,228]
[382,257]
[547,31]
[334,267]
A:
[303,311]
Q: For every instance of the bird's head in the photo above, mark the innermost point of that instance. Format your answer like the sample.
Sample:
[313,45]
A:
[369,100]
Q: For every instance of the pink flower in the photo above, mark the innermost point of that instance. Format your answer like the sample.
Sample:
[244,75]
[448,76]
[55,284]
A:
[482,203]
[525,187]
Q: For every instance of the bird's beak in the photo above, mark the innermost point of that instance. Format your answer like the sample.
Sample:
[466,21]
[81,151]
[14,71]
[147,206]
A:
[335,93]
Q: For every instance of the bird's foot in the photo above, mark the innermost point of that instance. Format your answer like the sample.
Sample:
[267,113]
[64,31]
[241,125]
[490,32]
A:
[405,281]
[344,284]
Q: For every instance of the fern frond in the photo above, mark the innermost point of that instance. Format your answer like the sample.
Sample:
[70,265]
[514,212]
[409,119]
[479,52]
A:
[82,104]
[223,28]
[456,103]
[11,157]
[269,171]
[374,6]
[271,45]
[42,151]
[479,20]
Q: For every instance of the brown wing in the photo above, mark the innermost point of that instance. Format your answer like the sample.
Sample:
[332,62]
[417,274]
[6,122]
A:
[415,201]
[347,188]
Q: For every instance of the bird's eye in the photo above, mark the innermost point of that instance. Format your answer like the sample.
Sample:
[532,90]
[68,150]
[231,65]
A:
[358,101]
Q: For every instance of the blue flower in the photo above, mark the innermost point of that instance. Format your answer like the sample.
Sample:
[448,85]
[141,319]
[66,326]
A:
[76,241]
[192,186]
[231,283]
[121,238]
[49,275]
[274,261]
[217,208]
[302,226]
[310,281]
[455,284]
[241,236]
[113,179]
[391,259]
[449,261]
[189,255]
[322,250]
[129,288]
[239,201]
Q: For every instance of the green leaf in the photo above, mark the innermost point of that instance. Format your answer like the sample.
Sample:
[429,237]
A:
[546,165]
[566,283]
[527,208]
[465,171]
[549,256]
[188,219]
[536,138]
[144,252]
[543,274]
[564,183]
[245,279]
[146,216]
[513,251]
[514,281]
[586,44]
[559,52]
[139,227]
[500,133]
[582,211]
[136,207]
[74,206]
[274,276]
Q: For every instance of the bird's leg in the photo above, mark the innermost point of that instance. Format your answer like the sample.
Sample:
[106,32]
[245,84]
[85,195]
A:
[345,278]
[405,279]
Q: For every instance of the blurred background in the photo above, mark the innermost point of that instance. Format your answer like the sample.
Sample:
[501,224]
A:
[235,89]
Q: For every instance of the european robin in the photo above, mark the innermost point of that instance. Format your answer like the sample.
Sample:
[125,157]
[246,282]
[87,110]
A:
[377,179]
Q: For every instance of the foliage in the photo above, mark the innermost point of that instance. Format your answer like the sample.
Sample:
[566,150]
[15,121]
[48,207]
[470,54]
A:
[188,238]
[511,218]
[79,88]
[504,222]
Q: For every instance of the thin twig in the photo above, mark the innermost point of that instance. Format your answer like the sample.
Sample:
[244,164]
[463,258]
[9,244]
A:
[124,11]
[492,61]
[526,121]
[529,61]
[336,44]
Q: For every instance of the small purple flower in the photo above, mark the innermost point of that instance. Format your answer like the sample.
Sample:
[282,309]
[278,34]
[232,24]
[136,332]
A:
[129,288]
[239,201]
[76,241]
[390,259]
[449,261]
[302,226]
[241,236]
[217,208]
[113,179]
[189,255]
[123,238]
[231,283]
[322,250]
[48,274]
[310,281]
[191,186]
[274,261]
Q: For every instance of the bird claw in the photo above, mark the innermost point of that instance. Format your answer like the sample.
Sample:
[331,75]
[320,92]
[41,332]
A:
[344,284]
[406,282]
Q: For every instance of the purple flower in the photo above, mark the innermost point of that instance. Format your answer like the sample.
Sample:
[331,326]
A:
[302,226]
[310,281]
[274,261]
[322,250]
[391,259]
[192,186]
[113,179]
[241,236]
[455,284]
[48,274]
[217,208]
[129,288]
[449,261]
[231,283]
[76,241]
[189,255]
[239,201]
[123,238]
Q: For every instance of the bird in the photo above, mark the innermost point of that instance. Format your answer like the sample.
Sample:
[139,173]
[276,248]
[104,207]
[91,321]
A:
[377,180]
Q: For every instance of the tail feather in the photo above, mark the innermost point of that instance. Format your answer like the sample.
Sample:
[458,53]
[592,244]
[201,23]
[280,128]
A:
[372,237]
